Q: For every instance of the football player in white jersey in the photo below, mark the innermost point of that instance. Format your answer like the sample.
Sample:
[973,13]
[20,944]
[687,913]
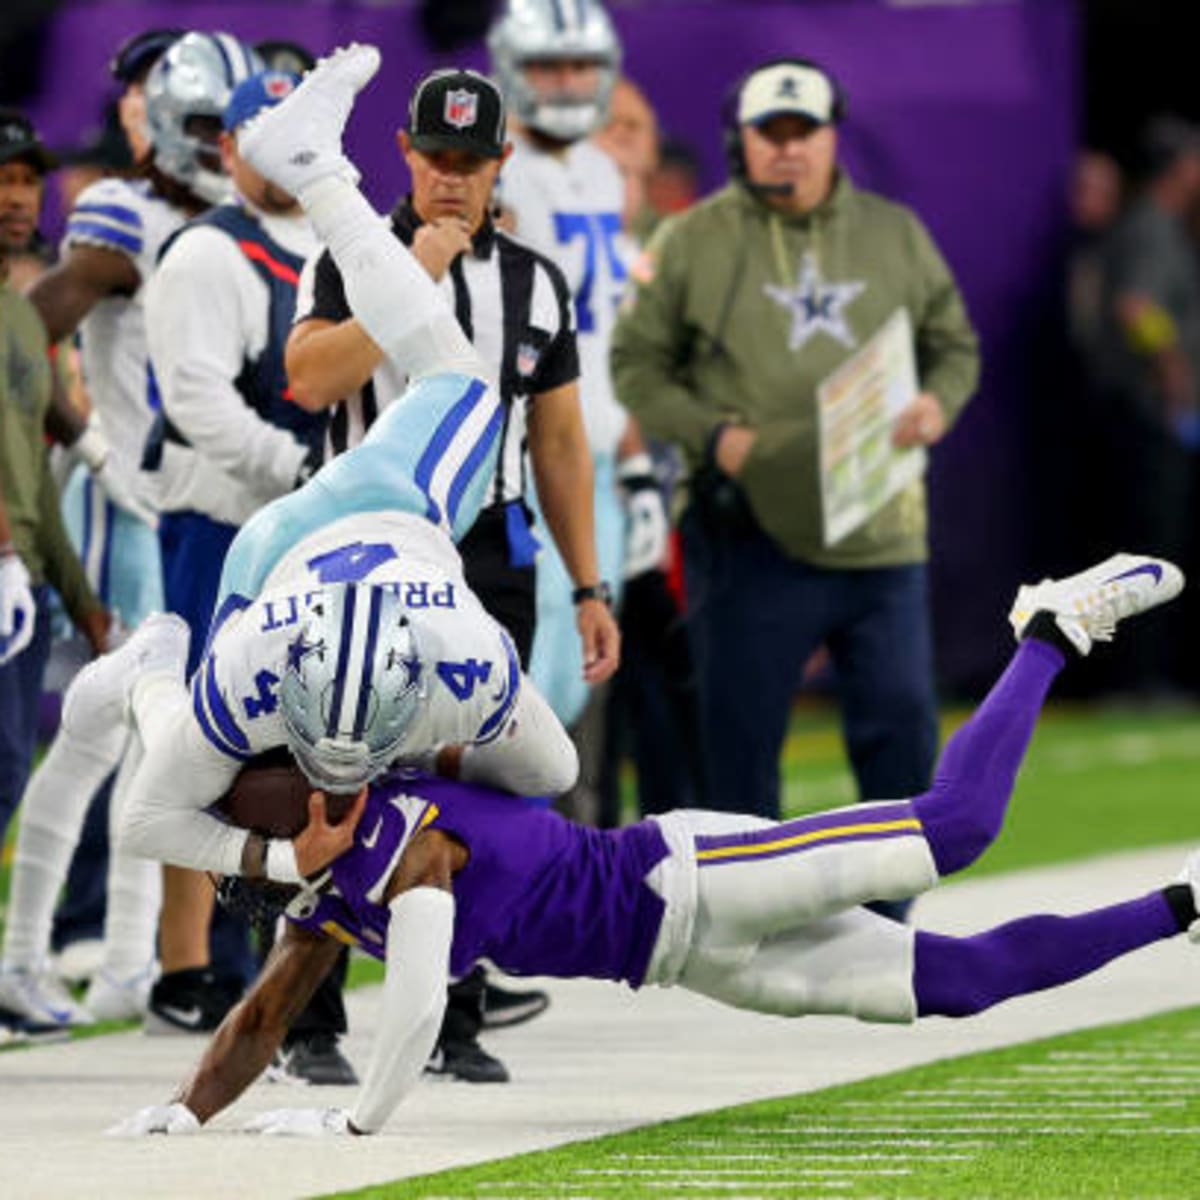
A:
[557,65]
[112,241]
[344,630]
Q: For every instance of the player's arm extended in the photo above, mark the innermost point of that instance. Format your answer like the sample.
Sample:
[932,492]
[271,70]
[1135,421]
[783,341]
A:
[243,1046]
[420,932]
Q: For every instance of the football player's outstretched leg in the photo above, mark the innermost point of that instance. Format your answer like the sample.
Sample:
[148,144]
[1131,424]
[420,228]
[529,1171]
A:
[797,885]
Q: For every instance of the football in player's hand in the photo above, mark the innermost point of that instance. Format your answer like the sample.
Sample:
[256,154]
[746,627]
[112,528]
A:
[271,797]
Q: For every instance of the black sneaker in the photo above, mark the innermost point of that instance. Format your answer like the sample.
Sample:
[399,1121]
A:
[466,1060]
[317,1060]
[194,1000]
[502,1008]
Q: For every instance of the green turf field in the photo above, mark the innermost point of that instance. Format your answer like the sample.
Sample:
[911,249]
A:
[1111,1112]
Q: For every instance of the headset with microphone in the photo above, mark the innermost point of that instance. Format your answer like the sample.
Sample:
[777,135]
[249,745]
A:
[731,130]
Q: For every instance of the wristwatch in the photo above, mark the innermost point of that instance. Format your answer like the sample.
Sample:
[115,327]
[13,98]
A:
[593,591]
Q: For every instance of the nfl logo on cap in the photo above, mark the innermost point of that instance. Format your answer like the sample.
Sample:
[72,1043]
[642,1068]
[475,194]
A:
[462,108]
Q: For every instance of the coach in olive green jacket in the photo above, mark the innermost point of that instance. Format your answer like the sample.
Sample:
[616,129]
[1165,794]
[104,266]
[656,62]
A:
[739,309]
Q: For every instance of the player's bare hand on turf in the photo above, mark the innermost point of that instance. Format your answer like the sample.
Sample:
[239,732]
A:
[301,1122]
[921,423]
[601,640]
[437,244]
[157,1118]
[319,843]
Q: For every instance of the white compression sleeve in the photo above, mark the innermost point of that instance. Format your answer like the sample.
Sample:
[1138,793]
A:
[388,291]
[134,894]
[532,756]
[52,813]
[181,773]
[414,997]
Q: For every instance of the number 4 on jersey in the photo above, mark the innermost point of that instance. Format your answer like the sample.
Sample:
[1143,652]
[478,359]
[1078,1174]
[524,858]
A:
[462,677]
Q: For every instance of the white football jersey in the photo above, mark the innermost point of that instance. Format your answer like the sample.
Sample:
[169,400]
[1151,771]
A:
[128,218]
[569,208]
[469,666]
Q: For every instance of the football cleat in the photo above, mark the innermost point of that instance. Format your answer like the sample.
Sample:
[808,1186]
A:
[315,1059]
[1190,876]
[111,998]
[98,698]
[39,999]
[1088,607]
[192,1000]
[299,141]
[502,1007]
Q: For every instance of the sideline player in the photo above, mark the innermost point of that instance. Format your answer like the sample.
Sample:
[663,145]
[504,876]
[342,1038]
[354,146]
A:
[756,914]
[344,628]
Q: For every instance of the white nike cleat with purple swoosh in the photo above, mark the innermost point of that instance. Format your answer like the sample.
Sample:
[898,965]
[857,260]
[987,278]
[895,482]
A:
[1087,607]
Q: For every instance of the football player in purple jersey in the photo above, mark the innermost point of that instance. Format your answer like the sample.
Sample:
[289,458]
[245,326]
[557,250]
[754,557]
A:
[757,914]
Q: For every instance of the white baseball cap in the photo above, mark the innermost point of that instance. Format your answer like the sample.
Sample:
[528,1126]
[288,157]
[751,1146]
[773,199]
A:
[787,88]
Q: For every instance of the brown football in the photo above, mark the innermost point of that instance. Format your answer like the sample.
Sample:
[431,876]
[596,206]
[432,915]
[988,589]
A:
[271,798]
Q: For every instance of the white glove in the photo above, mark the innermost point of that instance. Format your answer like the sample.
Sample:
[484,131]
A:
[646,527]
[300,1122]
[94,451]
[158,1118]
[17,608]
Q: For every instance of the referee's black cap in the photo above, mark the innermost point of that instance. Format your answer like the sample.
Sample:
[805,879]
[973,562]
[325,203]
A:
[457,110]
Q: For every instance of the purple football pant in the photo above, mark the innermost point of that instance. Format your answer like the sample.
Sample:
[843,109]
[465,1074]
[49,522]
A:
[961,815]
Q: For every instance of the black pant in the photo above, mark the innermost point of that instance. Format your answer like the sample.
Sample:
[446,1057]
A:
[508,593]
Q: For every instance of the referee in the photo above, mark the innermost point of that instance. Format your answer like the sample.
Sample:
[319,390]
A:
[516,307]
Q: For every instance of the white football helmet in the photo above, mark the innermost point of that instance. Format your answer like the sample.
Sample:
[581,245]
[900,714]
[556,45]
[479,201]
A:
[547,30]
[351,686]
[194,78]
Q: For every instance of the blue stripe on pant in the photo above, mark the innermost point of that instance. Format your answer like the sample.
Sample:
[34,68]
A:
[443,420]
[756,616]
[125,569]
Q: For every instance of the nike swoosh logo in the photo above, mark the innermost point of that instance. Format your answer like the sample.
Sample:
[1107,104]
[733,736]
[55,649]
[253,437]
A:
[1151,569]
[190,1017]
[371,838]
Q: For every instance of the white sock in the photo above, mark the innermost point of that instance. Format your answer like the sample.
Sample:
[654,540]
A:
[134,889]
[389,292]
[52,814]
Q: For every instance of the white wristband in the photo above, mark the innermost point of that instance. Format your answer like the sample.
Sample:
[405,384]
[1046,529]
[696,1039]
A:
[91,446]
[281,862]
[636,466]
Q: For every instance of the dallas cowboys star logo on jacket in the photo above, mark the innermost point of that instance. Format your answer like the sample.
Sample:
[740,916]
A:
[816,306]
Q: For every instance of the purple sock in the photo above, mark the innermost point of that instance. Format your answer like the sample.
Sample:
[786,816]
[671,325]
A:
[957,977]
[964,809]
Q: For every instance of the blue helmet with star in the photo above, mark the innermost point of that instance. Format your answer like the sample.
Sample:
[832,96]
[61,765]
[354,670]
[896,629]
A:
[351,686]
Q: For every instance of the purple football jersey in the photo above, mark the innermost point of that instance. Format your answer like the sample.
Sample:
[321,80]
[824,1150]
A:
[538,896]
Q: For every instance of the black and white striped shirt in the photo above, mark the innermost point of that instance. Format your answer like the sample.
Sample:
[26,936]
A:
[513,304]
